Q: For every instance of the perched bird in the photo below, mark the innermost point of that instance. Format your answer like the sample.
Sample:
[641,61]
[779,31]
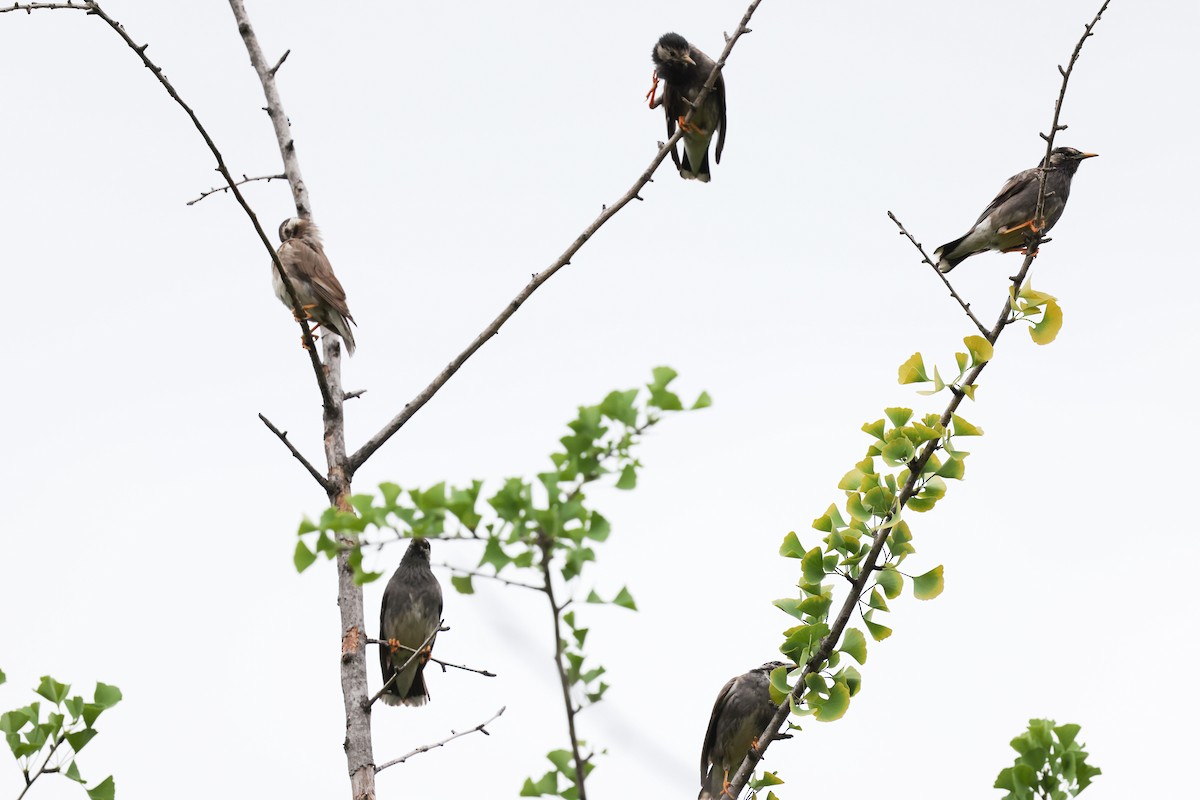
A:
[317,288]
[1003,224]
[742,711]
[685,69]
[411,612]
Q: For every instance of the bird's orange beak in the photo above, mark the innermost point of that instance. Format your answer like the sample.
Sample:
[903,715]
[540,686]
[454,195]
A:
[1089,155]
[688,59]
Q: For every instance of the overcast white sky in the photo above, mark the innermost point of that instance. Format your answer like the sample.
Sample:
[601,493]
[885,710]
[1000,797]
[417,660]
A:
[452,149]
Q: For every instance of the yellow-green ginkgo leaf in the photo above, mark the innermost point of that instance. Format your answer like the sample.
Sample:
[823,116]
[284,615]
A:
[913,370]
[1047,330]
[929,585]
[981,348]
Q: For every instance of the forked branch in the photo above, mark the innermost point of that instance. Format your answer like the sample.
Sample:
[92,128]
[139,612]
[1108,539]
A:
[93,9]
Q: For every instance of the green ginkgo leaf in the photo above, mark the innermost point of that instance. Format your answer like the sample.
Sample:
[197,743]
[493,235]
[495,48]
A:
[1046,330]
[854,644]
[929,585]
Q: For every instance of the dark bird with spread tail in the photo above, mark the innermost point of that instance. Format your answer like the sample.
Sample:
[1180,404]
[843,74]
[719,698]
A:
[317,288]
[410,614]
[742,711]
[1009,219]
[685,69]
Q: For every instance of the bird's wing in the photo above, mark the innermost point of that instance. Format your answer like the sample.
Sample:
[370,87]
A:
[385,652]
[672,106]
[311,263]
[710,735]
[1015,186]
[719,91]
[432,594]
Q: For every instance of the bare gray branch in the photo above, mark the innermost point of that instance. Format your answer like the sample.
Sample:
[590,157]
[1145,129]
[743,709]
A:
[481,728]
[375,442]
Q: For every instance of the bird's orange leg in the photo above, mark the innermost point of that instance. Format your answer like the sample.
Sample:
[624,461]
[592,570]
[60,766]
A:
[725,787]
[311,332]
[688,127]
[1013,229]
[393,645]
[653,89]
[307,311]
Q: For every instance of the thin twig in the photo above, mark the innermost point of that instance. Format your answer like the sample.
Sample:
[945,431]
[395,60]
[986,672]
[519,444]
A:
[916,468]
[476,574]
[564,681]
[413,653]
[926,259]
[318,477]
[29,8]
[375,442]
[43,770]
[443,664]
[481,728]
[1054,126]
[447,664]
[279,63]
[244,180]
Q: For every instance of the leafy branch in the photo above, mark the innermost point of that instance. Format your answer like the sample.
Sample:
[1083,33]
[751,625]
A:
[543,531]
[49,746]
[875,502]
[1050,765]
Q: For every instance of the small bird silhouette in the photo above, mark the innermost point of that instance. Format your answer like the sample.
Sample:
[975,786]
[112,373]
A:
[317,288]
[1008,220]
[411,612]
[742,711]
[685,70]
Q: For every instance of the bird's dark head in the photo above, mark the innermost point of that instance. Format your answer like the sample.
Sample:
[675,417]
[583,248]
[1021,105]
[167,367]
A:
[418,550]
[672,51]
[297,228]
[771,666]
[1068,159]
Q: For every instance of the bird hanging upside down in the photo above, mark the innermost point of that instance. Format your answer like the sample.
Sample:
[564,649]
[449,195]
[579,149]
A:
[1006,223]
[320,293]
[685,70]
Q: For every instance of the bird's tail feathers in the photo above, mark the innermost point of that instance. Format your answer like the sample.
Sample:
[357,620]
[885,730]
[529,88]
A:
[703,174]
[946,258]
[341,326]
[418,695]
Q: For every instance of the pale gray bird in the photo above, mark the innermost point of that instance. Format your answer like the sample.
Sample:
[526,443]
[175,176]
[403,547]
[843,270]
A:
[685,69]
[317,288]
[411,612]
[742,711]
[1006,222]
